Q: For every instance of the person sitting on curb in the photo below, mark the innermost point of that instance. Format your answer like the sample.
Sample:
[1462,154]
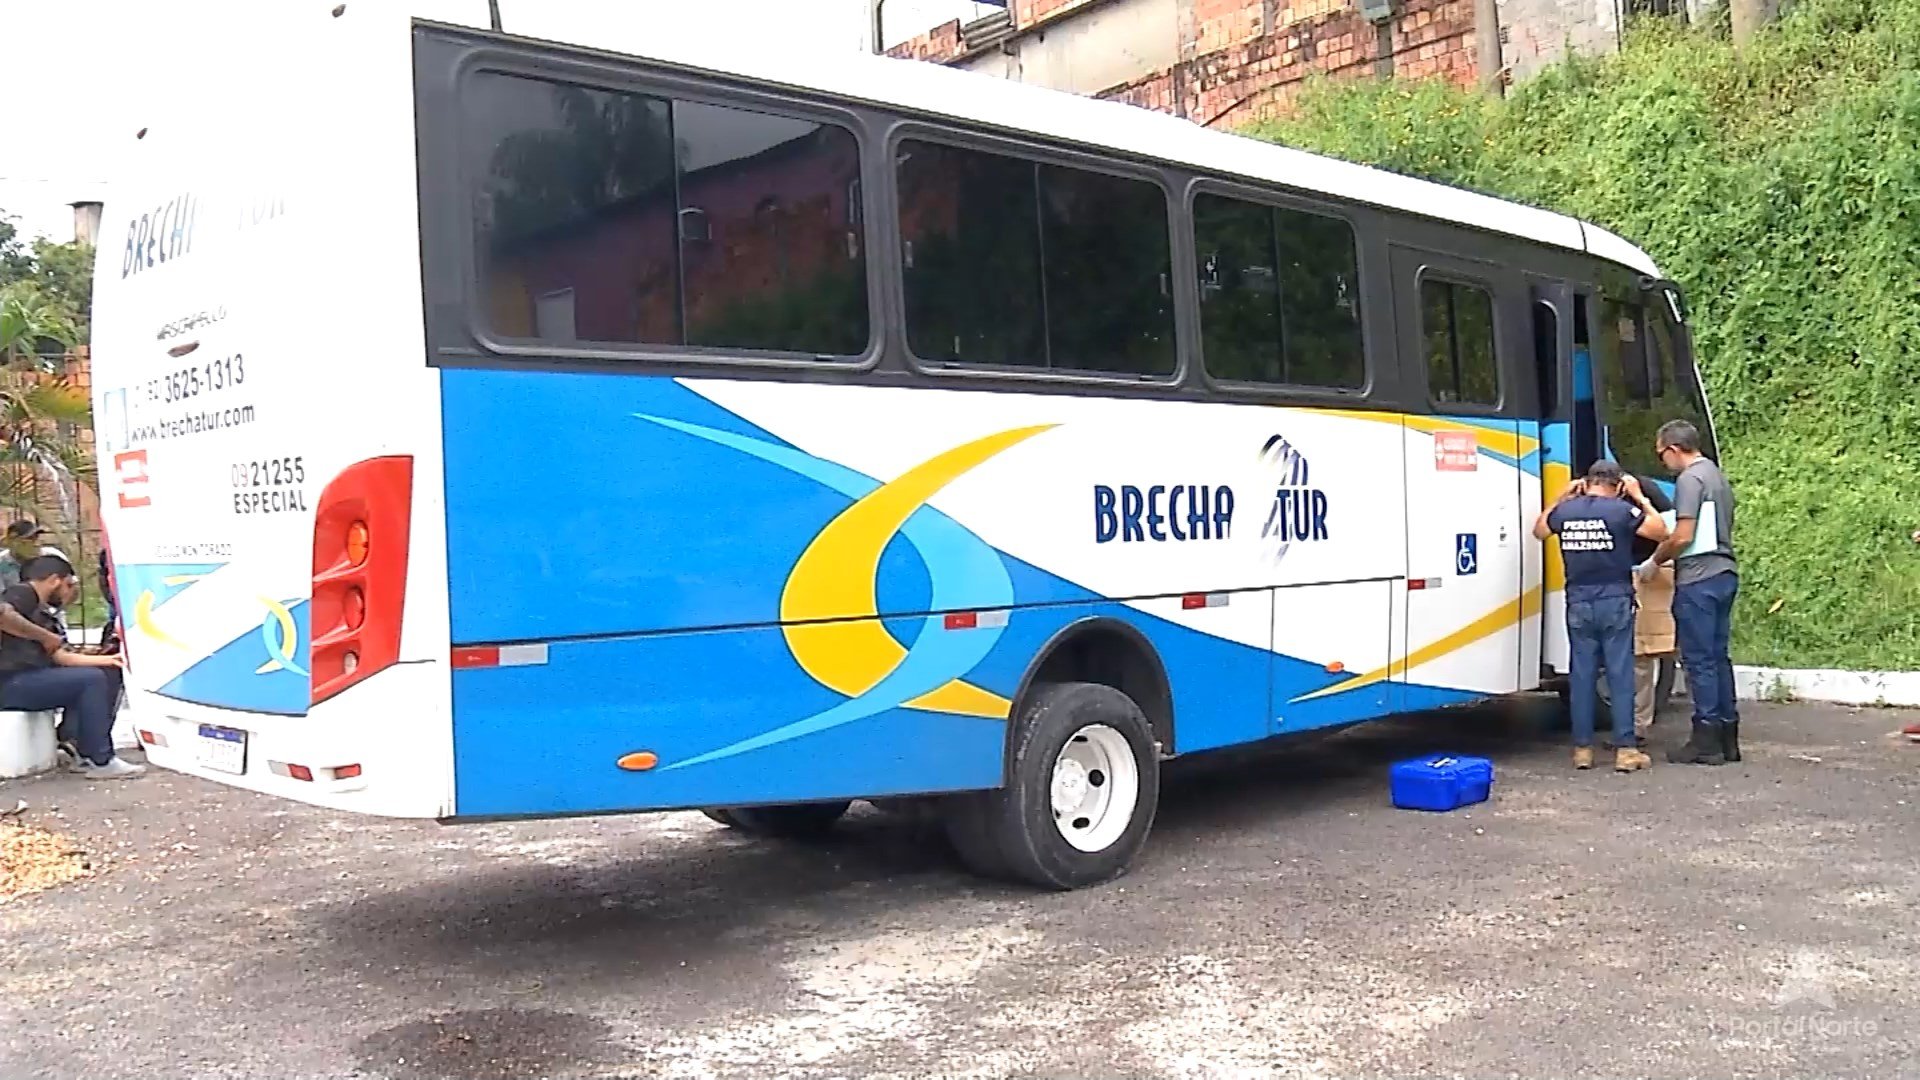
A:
[40,671]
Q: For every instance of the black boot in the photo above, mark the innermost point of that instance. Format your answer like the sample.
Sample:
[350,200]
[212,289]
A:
[1730,740]
[1701,748]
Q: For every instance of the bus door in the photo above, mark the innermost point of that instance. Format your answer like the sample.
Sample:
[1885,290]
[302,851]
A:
[1566,418]
[1463,328]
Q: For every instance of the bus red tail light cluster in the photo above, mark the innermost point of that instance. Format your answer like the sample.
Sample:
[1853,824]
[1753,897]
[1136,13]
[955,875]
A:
[359,572]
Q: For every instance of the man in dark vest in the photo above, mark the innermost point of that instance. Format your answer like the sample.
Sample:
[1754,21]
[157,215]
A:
[1596,520]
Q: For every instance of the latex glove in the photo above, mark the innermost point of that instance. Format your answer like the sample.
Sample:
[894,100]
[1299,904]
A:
[1646,570]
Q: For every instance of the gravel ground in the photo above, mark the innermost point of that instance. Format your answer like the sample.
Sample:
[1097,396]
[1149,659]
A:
[1753,920]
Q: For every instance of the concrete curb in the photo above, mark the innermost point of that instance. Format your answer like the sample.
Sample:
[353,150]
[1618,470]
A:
[1881,688]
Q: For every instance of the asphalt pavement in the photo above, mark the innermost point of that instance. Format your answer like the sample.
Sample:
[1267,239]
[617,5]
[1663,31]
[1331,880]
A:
[1751,920]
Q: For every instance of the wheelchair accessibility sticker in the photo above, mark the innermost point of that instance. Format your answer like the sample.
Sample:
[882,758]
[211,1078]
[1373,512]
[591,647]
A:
[1466,553]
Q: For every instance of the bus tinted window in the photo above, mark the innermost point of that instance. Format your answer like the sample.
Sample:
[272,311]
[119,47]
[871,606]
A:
[1457,321]
[973,293]
[1645,380]
[1280,297]
[606,217]
[1011,262]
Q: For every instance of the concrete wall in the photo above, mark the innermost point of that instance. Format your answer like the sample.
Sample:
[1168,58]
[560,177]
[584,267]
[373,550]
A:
[1106,45]
[1536,33]
[1231,61]
[1222,62]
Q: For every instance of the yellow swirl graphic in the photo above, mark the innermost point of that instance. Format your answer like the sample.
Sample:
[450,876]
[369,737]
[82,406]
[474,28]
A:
[143,618]
[834,579]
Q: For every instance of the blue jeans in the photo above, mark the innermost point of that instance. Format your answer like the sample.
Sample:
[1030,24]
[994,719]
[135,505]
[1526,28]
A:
[1703,620]
[86,695]
[1600,633]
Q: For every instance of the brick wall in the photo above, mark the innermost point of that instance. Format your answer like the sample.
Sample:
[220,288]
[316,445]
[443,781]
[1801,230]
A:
[938,45]
[1028,12]
[1242,60]
[1258,72]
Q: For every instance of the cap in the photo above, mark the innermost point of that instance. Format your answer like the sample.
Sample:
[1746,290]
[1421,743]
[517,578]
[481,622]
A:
[1606,472]
[25,528]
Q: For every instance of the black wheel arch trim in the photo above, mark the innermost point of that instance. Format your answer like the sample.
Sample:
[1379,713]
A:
[1076,630]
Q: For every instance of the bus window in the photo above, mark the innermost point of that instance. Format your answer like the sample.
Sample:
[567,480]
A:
[1676,382]
[1546,357]
[1645,381]
[608,217]
[991,319]
[1011,262]
[1457,323]
[1279,293]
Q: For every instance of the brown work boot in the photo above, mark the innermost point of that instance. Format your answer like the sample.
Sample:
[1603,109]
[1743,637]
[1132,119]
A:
[1583,757]
[1627,759]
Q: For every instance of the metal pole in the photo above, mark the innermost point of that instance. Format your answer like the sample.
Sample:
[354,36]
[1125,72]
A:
[493,13]
[879,39]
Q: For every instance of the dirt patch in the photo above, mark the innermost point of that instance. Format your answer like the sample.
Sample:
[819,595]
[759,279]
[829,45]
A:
[33,860]
[489,1044]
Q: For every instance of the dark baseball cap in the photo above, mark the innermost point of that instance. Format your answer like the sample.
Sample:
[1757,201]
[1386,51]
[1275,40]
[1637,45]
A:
[26,529]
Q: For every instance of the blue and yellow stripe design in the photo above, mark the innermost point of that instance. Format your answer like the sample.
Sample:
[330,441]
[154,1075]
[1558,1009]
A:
[230,676]
[829,607]
[818,663]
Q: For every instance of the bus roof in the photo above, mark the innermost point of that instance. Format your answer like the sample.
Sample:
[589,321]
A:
[952,93]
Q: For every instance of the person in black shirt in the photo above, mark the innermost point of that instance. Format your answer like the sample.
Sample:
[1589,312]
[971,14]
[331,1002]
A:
[1655,657]
[1596,520]
[39,671]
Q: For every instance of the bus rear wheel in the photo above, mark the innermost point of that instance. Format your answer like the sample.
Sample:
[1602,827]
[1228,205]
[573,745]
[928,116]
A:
[1080,796]
[797,821]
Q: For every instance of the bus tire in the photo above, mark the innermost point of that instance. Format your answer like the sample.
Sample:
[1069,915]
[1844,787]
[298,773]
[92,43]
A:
[797,821]
[1081,792]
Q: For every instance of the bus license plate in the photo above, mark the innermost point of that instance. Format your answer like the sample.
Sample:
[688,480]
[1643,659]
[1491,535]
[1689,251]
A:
[223,749]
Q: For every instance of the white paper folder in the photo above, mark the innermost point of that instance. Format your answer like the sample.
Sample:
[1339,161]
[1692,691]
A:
[1706,531]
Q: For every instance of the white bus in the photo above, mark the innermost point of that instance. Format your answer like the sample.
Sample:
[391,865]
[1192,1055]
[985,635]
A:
[532,424]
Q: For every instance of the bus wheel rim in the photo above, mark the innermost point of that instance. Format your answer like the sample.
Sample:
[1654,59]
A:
[1095,788]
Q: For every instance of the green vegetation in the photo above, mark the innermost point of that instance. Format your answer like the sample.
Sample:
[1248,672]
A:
[45,296]
[1781,186]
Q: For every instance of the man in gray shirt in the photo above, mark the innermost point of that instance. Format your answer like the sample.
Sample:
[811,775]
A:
[1706,580]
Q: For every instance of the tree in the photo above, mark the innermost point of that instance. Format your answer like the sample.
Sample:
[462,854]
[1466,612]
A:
[16,263]
[45,293]
[1749,16]
[57,280]
[65,275]
[29,318]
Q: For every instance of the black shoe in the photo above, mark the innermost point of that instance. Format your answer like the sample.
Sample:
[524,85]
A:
[1701,748]
[1730,740]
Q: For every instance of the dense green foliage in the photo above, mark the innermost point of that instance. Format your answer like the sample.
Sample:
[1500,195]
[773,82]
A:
[55,278]
[1781,186]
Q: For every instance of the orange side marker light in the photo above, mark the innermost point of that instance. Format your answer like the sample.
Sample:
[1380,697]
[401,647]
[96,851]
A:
[639,761]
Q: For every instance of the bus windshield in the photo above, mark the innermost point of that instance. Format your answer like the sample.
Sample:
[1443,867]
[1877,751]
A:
[1648,377]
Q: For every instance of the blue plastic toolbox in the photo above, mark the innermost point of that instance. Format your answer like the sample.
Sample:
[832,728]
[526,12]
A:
[1440,782]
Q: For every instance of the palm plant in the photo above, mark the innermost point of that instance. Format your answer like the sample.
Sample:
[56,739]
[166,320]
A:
[41,413]
[29,317]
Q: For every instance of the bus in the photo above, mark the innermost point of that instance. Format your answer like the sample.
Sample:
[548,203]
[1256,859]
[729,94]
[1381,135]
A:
[552,420]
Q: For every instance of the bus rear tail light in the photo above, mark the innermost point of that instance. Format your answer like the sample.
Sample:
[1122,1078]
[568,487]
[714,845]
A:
[360,531]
